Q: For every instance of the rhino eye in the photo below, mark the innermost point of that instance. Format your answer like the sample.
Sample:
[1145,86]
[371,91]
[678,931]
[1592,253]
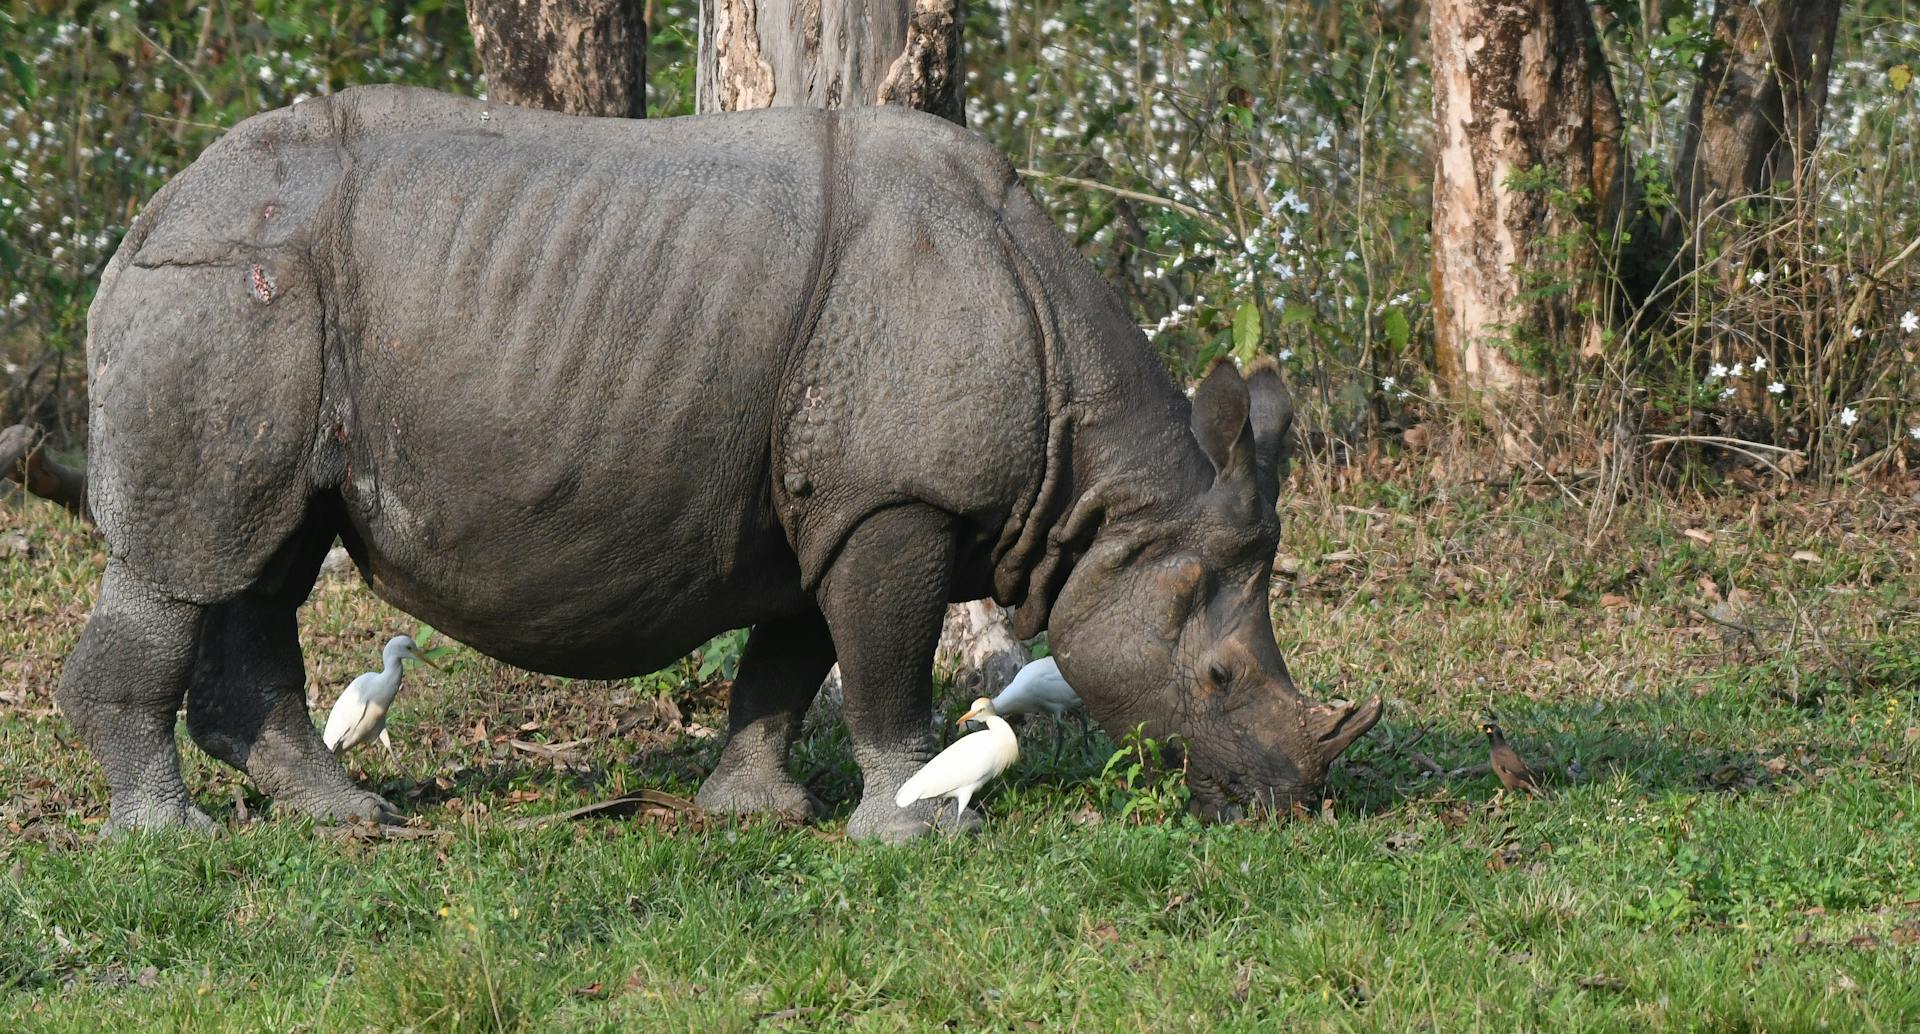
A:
[1219,674]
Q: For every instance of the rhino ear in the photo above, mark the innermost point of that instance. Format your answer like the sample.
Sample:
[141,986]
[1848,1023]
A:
[1220,409]
[1271,413]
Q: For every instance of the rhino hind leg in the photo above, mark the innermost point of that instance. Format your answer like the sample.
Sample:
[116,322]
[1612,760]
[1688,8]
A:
[247,701]
[121,690]
[884,597]
[780,671]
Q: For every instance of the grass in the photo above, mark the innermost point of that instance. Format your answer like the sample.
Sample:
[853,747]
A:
[1732,734]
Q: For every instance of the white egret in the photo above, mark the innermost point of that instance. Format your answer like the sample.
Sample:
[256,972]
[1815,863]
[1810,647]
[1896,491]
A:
[1038,687]
[967,763]
[360,715]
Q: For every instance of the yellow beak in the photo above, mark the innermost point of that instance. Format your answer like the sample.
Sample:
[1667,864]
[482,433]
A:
[969,716]
[426,662]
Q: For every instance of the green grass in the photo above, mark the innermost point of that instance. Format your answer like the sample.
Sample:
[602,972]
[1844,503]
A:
[1730,845]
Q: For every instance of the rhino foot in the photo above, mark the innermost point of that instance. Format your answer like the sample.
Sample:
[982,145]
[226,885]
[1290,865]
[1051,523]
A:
[341,805]
[732,792]
[882,820]
[132,817]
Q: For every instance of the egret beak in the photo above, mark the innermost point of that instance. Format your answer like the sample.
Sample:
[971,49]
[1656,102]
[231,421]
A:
[969,716]
[424,661]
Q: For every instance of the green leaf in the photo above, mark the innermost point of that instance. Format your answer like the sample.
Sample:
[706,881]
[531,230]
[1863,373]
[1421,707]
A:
[1246,332]
[1396,327]
[1295,315]
[379,19]
[25,83]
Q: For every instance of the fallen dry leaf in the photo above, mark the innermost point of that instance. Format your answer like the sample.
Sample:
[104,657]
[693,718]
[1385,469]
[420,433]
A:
[1806,557]
[1702,537]
[1614,602]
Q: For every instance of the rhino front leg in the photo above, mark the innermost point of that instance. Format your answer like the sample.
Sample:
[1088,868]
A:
[248,707]
[121,690]
[884,598]
[779,674]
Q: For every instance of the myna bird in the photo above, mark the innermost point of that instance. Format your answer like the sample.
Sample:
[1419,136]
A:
[1507,764]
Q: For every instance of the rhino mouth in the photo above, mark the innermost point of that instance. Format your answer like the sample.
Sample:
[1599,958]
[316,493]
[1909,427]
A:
[1227,800]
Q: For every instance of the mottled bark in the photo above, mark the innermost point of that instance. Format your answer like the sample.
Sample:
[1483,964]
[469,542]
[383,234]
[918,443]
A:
[1757,105]
[804,53]
[25,463]
[1520,90]
[583,57]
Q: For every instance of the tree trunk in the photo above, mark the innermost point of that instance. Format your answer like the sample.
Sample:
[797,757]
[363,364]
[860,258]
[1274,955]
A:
[803,53]
[1756,108]
[583,57]
[1519,90]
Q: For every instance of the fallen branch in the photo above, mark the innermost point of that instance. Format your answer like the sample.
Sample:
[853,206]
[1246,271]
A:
[617,807]
[25,463]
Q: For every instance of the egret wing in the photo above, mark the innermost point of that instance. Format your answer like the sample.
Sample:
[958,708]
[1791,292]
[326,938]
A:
[349,714]
[972,758]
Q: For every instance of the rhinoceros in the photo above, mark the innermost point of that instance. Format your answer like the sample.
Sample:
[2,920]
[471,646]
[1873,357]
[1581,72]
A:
[583,393]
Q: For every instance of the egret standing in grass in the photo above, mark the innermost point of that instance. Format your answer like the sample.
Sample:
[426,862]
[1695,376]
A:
[1038,688]
[968,762]
[360,715]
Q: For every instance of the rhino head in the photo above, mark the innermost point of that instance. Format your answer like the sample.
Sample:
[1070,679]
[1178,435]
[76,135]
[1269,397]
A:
[1164,620]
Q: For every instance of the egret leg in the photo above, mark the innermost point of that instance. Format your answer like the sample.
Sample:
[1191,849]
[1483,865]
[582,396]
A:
[121,689]
[884,598]
[386,741]
[1057,731]
[780,671]
[960,799]
[248,702]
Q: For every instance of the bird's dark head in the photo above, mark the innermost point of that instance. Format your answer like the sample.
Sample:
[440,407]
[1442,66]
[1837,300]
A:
[1491,728]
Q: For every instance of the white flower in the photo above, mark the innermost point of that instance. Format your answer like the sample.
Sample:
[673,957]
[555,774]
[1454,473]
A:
[1757,277]
[1858,333]
[1914,433]
[1739,370]
[1386,384]
[1759,363]
[1286,236]
[1776,388]
[1352,256]
[1848,417]
[1289,199]
[1726,393]
[17,301]
[1287,353]
[266,74]
[1910,322]
[1717,371]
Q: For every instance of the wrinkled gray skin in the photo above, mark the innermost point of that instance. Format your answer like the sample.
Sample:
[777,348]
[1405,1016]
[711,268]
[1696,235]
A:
[583,393]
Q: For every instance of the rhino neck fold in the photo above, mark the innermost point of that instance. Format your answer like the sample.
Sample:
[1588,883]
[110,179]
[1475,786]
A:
[1118,451]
